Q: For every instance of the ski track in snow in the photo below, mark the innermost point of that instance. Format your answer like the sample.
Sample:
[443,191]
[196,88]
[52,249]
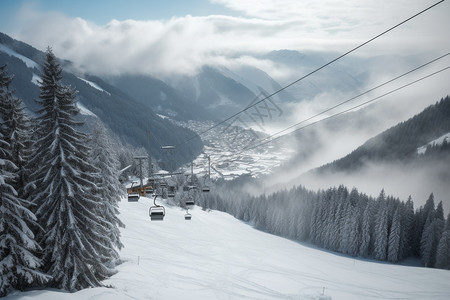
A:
[215,256]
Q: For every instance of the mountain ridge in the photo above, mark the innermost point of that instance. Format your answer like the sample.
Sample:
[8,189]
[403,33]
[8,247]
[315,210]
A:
[125,116]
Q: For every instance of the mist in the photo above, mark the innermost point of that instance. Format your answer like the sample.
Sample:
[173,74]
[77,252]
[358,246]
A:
[398,180]
[326,141]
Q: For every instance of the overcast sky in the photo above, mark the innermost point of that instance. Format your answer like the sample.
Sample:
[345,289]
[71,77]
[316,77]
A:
[163,37]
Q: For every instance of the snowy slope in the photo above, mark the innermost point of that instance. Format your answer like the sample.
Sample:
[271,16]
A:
[257,81]
[94,85]
[30,63]
[215,256]
[436,142]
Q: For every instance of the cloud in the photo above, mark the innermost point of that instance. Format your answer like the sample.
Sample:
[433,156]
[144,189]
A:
[184,44]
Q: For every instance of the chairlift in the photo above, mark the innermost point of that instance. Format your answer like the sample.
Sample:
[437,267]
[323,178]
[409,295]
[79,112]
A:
[187,188]
[171,191]
[205,187]
[133,197]
[156,212]
[187,216]
[190,201]
[148,191]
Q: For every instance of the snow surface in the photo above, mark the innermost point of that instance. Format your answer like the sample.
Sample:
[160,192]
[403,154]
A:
[215,256]
[438,141]
[94,85]
[30,63]
[36,79]
[84,110]
[228,153]
[162,116]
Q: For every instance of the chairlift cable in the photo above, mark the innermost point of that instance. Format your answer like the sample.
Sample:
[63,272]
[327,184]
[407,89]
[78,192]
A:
[346,110]
[352,98]
[270,138]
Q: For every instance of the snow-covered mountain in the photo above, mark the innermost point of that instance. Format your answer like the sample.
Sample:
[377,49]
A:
[215,256]
[223,91]
[336,78]
[160,97]
[98,100]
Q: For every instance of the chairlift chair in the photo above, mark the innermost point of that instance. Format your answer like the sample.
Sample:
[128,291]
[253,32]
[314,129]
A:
[205,189]
[156,212]
[148,191]
[187,216]
[133,197]
[171,191]
[189,202]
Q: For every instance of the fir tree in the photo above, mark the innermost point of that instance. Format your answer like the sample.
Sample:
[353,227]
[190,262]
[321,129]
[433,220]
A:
[109,190]
[65,194]
[381,230]
[18,263]
[407,229]
[432,231]
[16,129]
[394,238]
[443,251]
[366,230]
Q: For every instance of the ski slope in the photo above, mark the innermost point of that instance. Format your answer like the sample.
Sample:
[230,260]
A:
[215,256]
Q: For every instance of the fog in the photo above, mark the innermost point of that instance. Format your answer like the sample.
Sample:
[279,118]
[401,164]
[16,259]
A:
[396,179]
[324,142]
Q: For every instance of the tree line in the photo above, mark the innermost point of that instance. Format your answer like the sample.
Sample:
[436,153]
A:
[382,228]
[59,192]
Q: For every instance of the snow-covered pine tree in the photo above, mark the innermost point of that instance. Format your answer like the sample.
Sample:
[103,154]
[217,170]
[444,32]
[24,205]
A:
[431,236]
[18,263]
[367,229]
[407,236]
[65,196]
[346,228]
[16,130]
[394,238]
[432,231]
[110,190]
[381,229]
[443,250]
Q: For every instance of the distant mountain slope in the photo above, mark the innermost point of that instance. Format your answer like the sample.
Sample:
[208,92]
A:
[392,160]
[223,92]
[399,143]
[160,97]
[336,77]
[126,117]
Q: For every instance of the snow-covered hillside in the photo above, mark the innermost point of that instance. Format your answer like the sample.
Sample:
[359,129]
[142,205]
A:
[29,63]
[94,85]
[214,256]
[436,142]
